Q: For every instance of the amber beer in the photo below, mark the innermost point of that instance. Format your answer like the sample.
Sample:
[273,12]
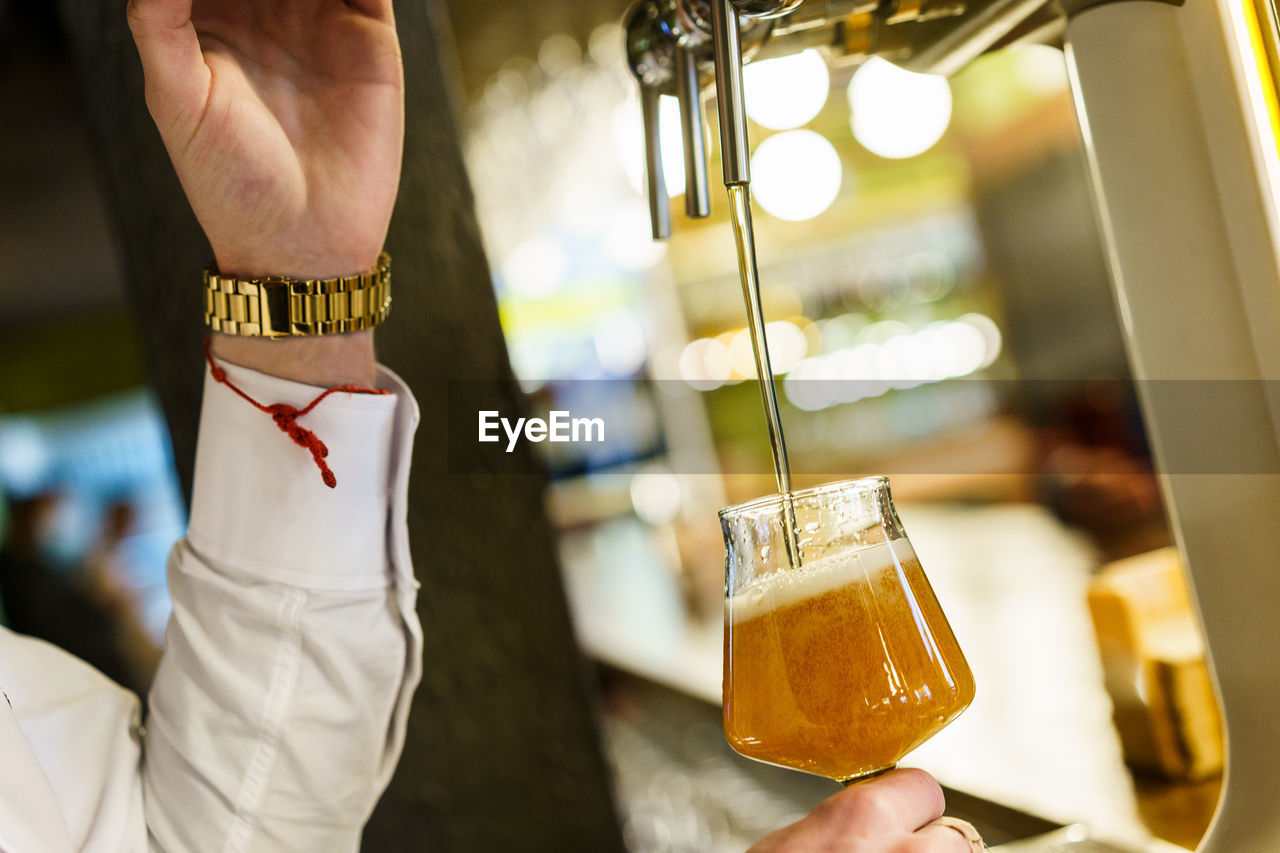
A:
[842,666]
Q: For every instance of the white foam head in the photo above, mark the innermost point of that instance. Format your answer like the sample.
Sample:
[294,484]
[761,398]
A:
[788,586]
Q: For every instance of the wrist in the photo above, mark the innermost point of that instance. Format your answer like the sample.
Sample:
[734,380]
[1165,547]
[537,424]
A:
[323,360]
[287,264]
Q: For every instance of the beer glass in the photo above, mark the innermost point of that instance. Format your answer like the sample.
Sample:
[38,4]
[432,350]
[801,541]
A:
[837,658]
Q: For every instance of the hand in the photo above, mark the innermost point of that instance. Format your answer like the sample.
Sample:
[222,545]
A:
[285,123]
[889,814]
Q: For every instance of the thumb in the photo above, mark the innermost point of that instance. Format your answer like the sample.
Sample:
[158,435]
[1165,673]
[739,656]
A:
[177,79]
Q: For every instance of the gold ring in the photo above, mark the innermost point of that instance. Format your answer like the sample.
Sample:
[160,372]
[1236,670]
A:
[964,828]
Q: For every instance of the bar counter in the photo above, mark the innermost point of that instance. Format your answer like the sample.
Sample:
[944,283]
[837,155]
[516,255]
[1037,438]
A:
[1038,736]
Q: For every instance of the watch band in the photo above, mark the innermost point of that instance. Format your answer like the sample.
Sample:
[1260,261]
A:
[276,307]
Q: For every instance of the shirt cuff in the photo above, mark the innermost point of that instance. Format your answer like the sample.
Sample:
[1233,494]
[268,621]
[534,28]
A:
[259,505]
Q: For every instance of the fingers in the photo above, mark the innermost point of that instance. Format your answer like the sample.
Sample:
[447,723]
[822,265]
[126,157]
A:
[899,811]
[898,800]
[966,830]
[176,75]
[939,838]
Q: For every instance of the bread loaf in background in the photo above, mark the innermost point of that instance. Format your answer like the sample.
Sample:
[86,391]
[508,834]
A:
[1165,708]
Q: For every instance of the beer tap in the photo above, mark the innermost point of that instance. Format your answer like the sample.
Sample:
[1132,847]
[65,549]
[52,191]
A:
[669,50]
[697,194]
[651,56]
[670,42]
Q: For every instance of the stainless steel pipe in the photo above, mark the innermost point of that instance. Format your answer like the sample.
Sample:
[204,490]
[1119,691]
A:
[735,149]
[697,191]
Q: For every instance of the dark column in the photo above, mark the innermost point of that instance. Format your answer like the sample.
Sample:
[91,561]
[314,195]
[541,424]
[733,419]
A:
[503,751]
[161,243]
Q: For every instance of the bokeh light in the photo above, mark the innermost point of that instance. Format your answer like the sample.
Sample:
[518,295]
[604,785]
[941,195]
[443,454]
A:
[627,243]
[705,364]
[558,54]
[1041,69]
[890,356]
[536,267]
[795,175]
[620,344]
[897,113]
[655,494]
[788,91]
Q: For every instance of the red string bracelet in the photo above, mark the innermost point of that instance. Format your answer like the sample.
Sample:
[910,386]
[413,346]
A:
[286,416]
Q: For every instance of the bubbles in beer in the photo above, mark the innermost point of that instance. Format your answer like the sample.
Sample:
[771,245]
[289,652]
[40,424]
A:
[786,586]
[843,666]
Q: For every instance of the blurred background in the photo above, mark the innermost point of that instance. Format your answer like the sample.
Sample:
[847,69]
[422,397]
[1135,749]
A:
[938,309]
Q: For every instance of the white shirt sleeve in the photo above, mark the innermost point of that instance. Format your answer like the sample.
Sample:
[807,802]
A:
[69,754]
[279,709]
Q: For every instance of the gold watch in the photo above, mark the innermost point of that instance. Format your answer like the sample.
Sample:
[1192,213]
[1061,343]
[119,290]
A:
[277,307]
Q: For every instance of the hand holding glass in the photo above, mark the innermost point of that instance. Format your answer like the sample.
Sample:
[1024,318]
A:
[837,658]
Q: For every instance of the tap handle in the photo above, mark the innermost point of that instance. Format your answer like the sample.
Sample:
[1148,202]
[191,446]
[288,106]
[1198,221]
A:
[659,202]
[734,147]
[697,192]
[651,55]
